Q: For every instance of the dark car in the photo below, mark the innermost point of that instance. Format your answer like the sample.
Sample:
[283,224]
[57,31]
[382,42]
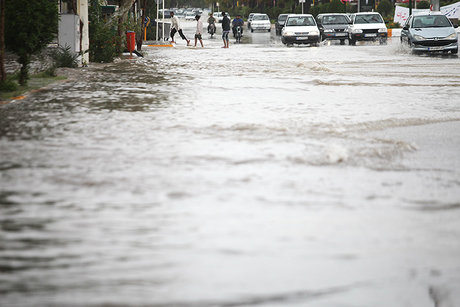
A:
[279,24]
[333,26]
[429,33]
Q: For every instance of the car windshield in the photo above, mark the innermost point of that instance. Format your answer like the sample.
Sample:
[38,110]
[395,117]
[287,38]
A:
[300,21]
[370,18]
[282,18]
[439,21]
[260,17]
[334,20]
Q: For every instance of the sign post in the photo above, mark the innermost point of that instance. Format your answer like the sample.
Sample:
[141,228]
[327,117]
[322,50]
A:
[302,1]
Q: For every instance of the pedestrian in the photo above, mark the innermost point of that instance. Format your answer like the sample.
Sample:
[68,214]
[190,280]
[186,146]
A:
[199,28]
[175,27]
[225,29]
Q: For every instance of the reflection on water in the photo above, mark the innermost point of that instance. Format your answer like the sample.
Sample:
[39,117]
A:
[258,175]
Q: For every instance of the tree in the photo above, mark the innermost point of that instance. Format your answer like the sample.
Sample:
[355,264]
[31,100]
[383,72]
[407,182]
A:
[29,27]
[385,8]
[2,41]
[423,5]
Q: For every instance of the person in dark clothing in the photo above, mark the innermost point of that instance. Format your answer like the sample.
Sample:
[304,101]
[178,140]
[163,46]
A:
[238,21]
[225,29]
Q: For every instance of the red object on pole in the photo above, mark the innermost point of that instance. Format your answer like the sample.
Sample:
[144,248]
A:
[131,40]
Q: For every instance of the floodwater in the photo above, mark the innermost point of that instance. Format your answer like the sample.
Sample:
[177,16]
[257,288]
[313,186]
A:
[258,175]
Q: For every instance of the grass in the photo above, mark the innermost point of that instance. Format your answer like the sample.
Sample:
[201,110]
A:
[35,82]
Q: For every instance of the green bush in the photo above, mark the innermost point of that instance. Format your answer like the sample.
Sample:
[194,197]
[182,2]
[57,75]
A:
[64,57]
[102,43]
[8,85]
[102,36]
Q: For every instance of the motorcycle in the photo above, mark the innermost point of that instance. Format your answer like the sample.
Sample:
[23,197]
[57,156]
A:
[238,34]
[212,29]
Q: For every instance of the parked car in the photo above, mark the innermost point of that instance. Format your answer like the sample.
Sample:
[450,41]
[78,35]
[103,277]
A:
[279,24]
[300,29]
[260,22]
[368,26]
[218,16]
[190,16]
[167,14]
[250,19]
[430,32]
[333,26]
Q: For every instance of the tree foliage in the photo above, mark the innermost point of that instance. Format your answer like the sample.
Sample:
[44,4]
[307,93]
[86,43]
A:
[29,27]
[423,5]
[102,36]
[385,8]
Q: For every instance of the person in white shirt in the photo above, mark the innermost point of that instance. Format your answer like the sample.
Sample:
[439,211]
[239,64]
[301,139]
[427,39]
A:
[199,28]
[175,27]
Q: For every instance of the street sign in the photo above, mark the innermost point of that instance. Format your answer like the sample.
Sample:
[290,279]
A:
[301,1]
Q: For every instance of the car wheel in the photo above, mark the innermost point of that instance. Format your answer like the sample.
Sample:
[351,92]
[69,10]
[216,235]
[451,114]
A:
[454,51]
[269,30]
[252,30]
[342,42]
[383,41]
[351,42]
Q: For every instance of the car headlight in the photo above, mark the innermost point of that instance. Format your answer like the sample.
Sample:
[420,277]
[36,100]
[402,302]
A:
[452,36]
[383,30]
[288,33]
[419,37]
[314,33]
[357,31]
[328,31]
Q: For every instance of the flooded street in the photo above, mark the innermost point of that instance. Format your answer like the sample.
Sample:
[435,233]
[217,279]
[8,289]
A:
[258,175]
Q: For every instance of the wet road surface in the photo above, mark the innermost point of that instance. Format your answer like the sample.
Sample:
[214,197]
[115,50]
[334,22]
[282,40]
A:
[259,175]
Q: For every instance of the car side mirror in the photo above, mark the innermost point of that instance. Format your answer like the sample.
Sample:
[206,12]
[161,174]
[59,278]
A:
[405,28]
[455,26]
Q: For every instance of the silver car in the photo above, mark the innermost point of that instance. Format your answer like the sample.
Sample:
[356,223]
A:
[430,32]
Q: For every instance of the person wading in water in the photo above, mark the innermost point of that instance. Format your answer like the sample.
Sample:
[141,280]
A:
[225,29]
[175,27]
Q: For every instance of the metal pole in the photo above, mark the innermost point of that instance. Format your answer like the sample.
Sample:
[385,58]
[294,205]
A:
[302,7]
[157,30]
[163,21]
[410,7]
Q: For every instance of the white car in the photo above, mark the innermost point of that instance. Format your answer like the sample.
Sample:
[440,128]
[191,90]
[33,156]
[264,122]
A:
[368,26]
[300,29]
[190,16]
[218,16]
[260,22]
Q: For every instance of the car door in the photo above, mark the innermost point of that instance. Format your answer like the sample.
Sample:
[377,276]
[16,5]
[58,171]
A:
[319,21]
[405,30]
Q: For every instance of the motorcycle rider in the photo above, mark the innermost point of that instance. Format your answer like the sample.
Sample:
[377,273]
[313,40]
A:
[237,21]
[211,21]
